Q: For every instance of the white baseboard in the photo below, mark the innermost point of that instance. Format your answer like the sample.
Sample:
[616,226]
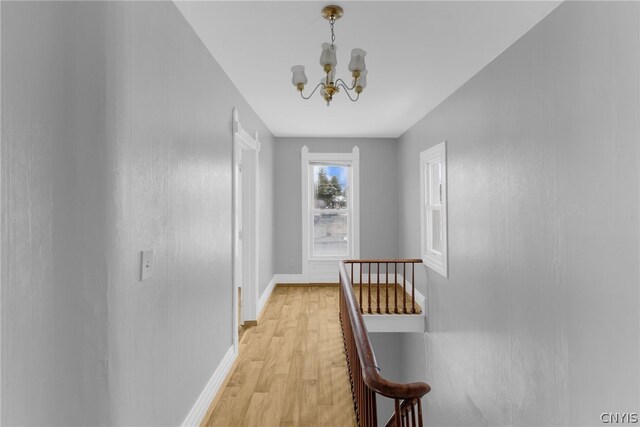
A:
[289,278]
[265,295]
[199,409]
[421,300]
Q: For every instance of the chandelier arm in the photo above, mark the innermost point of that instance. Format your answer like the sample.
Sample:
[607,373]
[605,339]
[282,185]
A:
[346,90]
[314,91]
[345,85]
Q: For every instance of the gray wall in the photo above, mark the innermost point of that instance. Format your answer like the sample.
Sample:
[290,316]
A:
[385,346]
[378,196]
[538,323]
[116,137]
[54,282]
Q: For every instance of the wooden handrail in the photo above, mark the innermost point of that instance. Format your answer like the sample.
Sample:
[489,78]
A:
[366,380]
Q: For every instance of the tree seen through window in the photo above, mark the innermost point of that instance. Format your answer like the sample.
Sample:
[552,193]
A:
[330,191]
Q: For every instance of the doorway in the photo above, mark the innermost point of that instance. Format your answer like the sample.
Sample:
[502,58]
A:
[245,227]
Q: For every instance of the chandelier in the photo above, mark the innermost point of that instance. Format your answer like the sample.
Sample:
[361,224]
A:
[329,85]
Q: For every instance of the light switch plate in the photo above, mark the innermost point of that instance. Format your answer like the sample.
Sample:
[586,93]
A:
[146,264]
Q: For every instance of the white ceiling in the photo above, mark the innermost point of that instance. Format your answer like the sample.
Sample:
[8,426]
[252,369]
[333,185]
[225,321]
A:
[418,53]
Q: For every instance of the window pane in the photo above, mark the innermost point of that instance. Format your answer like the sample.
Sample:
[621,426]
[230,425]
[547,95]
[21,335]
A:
[330,234]
[436,181]
[330,186]
[436,229]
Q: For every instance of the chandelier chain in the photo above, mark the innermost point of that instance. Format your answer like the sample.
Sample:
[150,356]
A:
[333,35]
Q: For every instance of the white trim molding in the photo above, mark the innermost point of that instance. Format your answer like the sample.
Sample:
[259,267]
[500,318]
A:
[394,323]
[433,200]
[289,278]
[1,243]
[262,302]
[199,410]
[326,269]
[245,161]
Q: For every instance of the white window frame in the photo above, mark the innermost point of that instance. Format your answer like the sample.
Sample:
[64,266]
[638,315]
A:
[436,260]
[352,159]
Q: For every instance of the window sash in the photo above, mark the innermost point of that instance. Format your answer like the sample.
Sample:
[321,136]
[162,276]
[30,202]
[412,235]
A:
[312,225]
[430,235]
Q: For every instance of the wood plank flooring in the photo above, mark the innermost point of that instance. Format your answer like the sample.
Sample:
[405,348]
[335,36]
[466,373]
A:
[383,299]
[291,370]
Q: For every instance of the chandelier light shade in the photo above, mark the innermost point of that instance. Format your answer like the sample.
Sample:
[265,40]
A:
[299,78]
[357,60]
[328,58]
[329,85]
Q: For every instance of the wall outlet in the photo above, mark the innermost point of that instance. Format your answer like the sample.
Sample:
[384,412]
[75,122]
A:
[146,264]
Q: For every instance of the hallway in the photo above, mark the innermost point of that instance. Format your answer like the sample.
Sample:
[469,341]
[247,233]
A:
[291,369]
[158,155]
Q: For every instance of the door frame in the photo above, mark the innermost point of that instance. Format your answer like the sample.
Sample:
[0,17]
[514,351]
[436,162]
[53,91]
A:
[245,159]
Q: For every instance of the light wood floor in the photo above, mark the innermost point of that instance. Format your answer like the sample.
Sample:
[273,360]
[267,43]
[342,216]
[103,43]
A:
[291,370]
[383,299]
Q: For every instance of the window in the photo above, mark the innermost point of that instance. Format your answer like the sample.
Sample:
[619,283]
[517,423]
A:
[330,229]
[433,207]
[331,210]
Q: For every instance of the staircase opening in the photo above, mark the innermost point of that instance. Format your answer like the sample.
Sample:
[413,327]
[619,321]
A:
[364,373]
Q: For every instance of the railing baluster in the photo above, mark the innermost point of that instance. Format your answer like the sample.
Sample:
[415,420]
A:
[413,288]
[372,409]
[404,287]
[413,415]
[378,286]
[353,279]
[369,287]
[361,310]
[420,413]
[395,287]
[372,406]
[397,412]
[386,286]
[367,407]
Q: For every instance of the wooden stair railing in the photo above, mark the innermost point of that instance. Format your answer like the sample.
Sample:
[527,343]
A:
[364,373]
[386,277]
